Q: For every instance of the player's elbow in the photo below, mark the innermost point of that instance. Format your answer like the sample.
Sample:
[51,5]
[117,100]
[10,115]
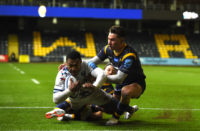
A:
[55,100]
[101,78]
[117,79]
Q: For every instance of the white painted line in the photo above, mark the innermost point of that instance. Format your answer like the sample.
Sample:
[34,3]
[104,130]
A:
[35,81]
[22,72]
[24,107]
[17,69]
[37,107]
[172,109]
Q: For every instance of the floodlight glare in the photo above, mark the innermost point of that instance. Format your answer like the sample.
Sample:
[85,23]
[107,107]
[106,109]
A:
[42,11]
[190,15]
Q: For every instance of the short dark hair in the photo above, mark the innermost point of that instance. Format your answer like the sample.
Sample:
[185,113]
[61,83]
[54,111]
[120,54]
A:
[73,55]
[119,30]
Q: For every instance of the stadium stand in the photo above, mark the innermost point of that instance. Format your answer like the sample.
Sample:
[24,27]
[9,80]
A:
[53,46]
[42,40]
[181,5]
[194,42]
[3,44]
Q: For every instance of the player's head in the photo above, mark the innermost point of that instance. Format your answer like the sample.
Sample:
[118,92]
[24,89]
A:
[116,37]
[73,62]
[109,69]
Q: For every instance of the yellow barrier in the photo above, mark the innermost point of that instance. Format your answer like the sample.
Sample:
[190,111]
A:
[24,59]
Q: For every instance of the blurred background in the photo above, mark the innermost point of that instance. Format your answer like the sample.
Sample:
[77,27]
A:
[163,32]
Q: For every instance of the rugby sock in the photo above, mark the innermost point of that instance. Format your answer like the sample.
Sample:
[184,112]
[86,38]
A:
[116,115]
[119,111]
[64,105]
[94,109]
[121,108]
[70,116]
[124,107]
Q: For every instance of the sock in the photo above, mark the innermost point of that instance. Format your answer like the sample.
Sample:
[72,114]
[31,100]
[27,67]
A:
[125,107]
[63,105]
[119,111]
[70,116]
[121,108]
[94,109]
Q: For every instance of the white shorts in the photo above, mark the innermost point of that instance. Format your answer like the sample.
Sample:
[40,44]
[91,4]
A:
[98,97]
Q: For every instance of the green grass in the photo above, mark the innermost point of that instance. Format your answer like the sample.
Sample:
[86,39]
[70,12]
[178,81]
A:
[170,90]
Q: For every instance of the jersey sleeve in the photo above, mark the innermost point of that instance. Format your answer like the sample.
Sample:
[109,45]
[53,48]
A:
[103,53]
[127,63]
[60,80]
[67,81]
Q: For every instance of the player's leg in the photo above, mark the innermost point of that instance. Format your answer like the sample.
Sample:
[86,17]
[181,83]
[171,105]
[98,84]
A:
[97,112]
[59,110]
[84,113]
[66,117]
[79,114]
[133,90]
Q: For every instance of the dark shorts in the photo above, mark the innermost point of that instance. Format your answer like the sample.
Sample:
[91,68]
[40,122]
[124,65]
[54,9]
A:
[120,86]
[111,107]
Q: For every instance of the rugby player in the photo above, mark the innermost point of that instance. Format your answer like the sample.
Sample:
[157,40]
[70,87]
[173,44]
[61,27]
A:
[107,87]
[72,92]
[130,78]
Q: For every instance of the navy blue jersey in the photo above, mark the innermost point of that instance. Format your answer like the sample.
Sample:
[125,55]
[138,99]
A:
[107,87]
[127,61]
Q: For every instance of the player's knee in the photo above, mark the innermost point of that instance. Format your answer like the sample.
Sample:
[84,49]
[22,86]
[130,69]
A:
[125,93]
[132,91]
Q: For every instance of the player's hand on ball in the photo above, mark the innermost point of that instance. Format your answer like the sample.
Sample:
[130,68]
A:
[74,86]
[88,85]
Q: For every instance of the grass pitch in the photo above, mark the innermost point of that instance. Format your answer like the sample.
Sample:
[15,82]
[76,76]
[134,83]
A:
[171,100]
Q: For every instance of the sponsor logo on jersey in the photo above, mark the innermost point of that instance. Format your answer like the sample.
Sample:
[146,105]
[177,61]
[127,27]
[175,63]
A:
[128,63]
[116,60]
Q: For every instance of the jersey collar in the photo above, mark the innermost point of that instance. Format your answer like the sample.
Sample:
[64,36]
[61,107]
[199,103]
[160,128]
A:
[118,53]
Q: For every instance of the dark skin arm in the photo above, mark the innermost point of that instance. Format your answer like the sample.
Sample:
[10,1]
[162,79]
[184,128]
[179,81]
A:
[74,86]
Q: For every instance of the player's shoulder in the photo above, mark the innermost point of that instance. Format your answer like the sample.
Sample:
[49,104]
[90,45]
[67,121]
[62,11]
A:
[64,72]
[84,64]
[107,50]
[129,52]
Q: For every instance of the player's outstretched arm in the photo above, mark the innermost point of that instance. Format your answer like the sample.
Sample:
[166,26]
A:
[95,60]
[98,73]
[71,87]
[61,96]
[117,78]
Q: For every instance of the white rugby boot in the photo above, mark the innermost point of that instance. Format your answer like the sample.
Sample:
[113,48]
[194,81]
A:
[127,115]
[57,112]
[112,121]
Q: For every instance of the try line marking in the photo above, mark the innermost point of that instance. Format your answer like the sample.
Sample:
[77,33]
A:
[35,81]
[22,72]
[17,69]
[37,107]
